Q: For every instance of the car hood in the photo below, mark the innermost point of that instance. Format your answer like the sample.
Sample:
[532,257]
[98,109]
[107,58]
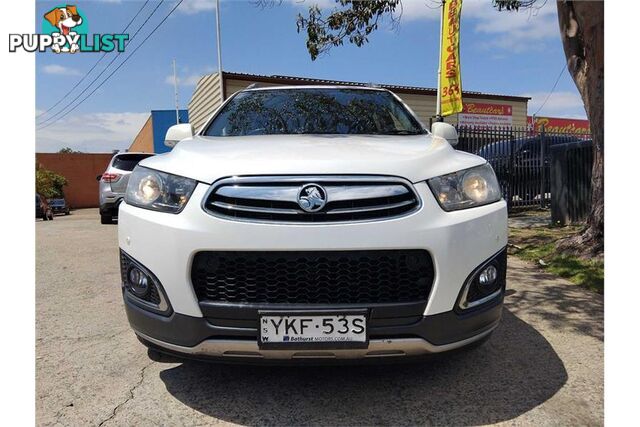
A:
[414,157]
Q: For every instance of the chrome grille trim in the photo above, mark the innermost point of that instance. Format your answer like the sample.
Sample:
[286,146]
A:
[350,198]
[251,209]
[371,209]
[338,193]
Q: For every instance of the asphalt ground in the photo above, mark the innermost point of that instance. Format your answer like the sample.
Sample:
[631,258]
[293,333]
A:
[542,366]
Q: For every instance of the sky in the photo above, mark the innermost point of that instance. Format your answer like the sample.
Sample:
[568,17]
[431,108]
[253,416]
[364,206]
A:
[501,52]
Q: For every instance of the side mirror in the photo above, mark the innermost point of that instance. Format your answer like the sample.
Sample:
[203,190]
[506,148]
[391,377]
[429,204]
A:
[446,131]
[177,133]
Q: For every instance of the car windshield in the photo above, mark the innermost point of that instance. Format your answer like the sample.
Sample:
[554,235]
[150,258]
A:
[57,202]
[127,162]
[314,111]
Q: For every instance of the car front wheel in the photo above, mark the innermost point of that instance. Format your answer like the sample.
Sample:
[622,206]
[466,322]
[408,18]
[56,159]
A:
[106,219]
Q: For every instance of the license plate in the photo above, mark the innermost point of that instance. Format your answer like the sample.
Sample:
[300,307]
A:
[313,330]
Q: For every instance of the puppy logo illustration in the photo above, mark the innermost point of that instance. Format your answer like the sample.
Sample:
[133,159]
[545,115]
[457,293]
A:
[65,19]
[65,29]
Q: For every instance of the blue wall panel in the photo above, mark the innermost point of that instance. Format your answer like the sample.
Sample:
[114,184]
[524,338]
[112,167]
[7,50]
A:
[161,121]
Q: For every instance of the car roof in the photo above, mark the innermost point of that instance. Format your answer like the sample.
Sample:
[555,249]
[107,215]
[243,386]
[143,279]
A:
[535,138]
[130,153]
[133,152]
[252,88]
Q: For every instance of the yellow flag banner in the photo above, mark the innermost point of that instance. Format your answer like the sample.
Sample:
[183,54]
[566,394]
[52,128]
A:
[450,79]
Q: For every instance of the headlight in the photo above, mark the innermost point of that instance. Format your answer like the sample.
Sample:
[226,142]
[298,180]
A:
[466,188]
[158,191]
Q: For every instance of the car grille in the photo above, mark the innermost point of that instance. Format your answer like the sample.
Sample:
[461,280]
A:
[349,198]
[336,277]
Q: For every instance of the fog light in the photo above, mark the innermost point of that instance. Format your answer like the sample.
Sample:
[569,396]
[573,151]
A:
[485,284]
[138,282]
[488,276]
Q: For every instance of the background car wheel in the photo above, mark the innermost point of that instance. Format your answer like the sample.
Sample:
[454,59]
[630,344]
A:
[44,217]
[106,219]
[506,193]
[51,216]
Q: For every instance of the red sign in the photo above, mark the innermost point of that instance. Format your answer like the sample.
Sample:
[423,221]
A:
[479,114]
[559,125]
[490,109]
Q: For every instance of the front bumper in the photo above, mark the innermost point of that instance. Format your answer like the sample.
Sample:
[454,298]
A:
[458,243]
[196,337]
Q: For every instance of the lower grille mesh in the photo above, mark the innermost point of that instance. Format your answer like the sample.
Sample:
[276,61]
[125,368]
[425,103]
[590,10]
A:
[318,277]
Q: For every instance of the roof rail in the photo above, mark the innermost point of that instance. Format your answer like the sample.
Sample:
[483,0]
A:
[373,85]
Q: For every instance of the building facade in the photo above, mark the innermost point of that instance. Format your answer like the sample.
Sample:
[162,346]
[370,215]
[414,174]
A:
[150,139]
[481,108]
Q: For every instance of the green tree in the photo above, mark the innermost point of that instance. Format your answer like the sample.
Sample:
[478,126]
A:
[68,150]
[49,184]
[582,35]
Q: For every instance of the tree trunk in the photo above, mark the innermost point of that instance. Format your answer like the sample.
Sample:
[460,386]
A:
[582,32]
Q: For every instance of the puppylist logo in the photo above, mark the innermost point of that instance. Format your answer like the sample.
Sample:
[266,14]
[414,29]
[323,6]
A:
[64,30]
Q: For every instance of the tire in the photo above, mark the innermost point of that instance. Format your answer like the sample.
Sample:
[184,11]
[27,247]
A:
[51,216]
[44,217]
[506,193]
[106,219]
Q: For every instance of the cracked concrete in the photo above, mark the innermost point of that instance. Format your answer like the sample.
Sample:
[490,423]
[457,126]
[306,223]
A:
[129,398]
[543,365]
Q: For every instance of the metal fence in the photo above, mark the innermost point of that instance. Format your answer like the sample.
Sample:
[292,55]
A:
[521,158]
[571,165]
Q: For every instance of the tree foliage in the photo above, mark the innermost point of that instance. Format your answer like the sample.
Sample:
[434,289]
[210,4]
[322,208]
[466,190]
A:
[355,20]
[49,184]
[513,4]
[351,19]
[68,150]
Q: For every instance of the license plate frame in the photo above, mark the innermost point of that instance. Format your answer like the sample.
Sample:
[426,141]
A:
[337,345]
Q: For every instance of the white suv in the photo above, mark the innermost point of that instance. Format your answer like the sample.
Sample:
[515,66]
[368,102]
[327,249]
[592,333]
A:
[309,223]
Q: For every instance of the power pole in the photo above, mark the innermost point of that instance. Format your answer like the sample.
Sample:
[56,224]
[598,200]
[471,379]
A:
[219,49]
[175,92]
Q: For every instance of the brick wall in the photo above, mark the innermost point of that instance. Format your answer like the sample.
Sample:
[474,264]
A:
[81,170]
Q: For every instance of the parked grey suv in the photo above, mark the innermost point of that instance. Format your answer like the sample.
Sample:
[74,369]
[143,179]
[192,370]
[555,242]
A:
[113,183]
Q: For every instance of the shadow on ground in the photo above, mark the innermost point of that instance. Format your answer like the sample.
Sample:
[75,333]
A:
[561,305]
[515,371]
